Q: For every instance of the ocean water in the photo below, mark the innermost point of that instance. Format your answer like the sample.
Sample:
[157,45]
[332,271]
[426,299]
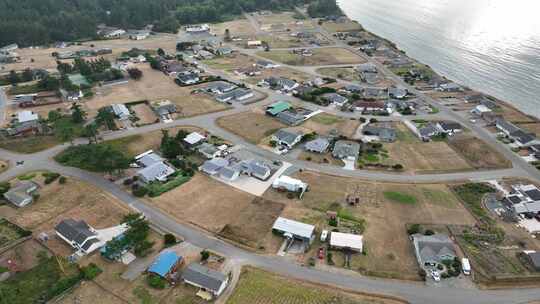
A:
[492,46]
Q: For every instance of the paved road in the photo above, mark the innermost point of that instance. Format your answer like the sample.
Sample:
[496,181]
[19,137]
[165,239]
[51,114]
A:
[413,292]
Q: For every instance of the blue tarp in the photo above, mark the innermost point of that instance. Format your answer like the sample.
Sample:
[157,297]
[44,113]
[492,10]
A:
[164,262]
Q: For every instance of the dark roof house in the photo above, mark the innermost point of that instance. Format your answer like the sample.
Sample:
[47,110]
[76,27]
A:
[205,278]
[78,234]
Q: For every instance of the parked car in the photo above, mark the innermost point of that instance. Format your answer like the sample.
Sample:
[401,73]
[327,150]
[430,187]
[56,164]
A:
[466,266]
[436,276]
[324,235]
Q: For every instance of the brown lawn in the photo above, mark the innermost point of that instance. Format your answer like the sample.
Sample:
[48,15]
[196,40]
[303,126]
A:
[252,126]
[144,113]
[325,123]
[332,27]
[321,56]
[478,153]
[221,209]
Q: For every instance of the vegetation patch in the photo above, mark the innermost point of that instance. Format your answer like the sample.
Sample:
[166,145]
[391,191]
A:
[10,232]
[156,189]
[400,197]
[94,157]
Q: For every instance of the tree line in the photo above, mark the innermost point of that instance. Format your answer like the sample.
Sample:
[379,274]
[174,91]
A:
[39,22]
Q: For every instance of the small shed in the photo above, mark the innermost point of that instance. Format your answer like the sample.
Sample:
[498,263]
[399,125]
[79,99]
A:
[348,241]
[293,229]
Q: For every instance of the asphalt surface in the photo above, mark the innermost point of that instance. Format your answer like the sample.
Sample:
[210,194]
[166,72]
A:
[410,291]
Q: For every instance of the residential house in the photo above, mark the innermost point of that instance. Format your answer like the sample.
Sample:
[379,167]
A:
[249,71]
[449,127]
[428,131]
[368,73]
[9,48]
[374,93]
[208,280]
[287,138]
[110,32]
[214,166]
[352,89]
[523,199]
[278,107]
[534,259]
[384,134]
[22,194]
[450,87]
[318,145]
[166,265]
[205,55]
[27,117]
[265,64]
[370,107]
[254,43]
[280,84]
[194,138]
[346,149]
[138,35]
[292,229]
[155,168]
[346,241]
[335,99]
[397,92]
[164,109]
[433,249]
[120,111]
[238,94]
[188,79]
[291,117]
[221,51]
[220,87]
[506,127]
[480,110]
[257,169]
[78,234]
[197,29]
[208,150]
[229,173]
[521,138]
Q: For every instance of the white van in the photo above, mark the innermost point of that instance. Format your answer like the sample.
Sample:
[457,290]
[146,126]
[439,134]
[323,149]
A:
[324,235]
[466,266]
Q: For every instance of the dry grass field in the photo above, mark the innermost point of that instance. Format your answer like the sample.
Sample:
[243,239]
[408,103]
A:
[345,73]
[252,126]
[477,153]
[238,60]
[221,209]
[321,56]
[154,85]
[144,113]
[389,251]
[237,28]
[257,286]
[31,144]
[318,158]
[533,127]
[325,123]
[348,26]
[281,22]
[42,58]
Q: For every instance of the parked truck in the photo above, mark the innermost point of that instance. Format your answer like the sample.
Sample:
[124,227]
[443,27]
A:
[466,266]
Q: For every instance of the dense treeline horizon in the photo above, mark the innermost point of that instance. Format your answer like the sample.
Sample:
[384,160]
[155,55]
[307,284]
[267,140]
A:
[38,22]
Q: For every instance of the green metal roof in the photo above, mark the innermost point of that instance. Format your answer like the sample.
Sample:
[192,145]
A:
[278,107]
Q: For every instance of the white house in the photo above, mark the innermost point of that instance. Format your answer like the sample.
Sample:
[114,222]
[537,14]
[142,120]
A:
[78,234]
[480,110]
[194,138]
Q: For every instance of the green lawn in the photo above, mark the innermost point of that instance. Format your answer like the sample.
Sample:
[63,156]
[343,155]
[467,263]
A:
[157,189]
[441,198]
[123,144]
[25,89]
[400,197]
[41,283]
[260,287]
[471,194]
[326,119]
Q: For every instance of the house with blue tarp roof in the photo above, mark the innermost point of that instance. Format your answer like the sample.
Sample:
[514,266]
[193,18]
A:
[166,264]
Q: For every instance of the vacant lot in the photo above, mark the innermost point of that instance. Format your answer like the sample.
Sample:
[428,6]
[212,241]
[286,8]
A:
[325,124]
[154,85]
[261,287]
[318,158]
[282,22]
[221,209]
[347,26]
[477,153]
[237,28]
[321,56]
[531,127]
[252,126]
[235,61]
[345,73]
[424,157]
[30,144]
[387,209]
[144,113]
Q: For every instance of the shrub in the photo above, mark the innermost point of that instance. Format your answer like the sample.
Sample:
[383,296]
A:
[156,282]
[90,271]
[140,191]
[329,258]
[397,167]
[169,239]
[414,228]
[4,187]
[205,255]
[333,222]
[62,180]
[50,177]
[429,232]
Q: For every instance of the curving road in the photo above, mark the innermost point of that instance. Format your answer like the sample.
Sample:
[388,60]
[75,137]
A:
[410,291]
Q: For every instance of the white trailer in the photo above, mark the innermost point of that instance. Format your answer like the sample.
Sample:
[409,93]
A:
[290,184]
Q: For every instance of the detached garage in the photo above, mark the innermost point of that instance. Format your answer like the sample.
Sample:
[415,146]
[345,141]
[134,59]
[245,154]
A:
[349,241]
[294,230]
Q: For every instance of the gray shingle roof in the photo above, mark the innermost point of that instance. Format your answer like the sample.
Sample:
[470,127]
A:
[286,136]
[76,231]
[346,149]
[318,145]
[21,193]
[433,248]
[203,276]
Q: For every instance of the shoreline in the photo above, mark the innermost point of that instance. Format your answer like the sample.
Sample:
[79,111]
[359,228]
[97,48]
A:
[396,46]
